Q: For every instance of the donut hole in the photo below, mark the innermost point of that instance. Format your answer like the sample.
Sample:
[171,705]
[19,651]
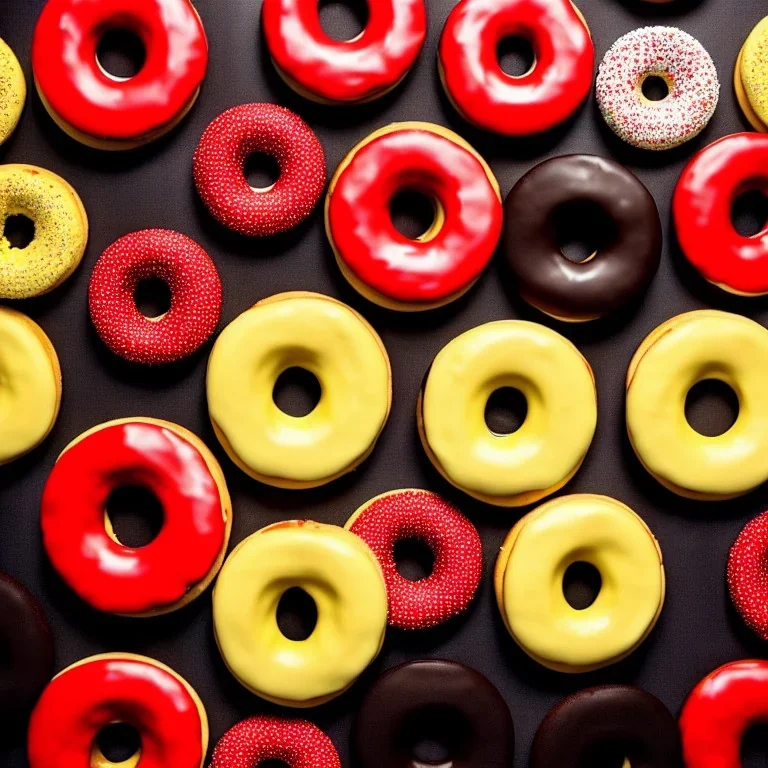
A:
[116,743]
[120,53]
[655,87]
[414,558]
[711,407]
[135,515]
[297,392]
[153,297]
[19,230]
[435,737]
[415,215]
[262,171]
[749,212]
[581,585]
[516,55]
[505,411]
[754,746]
[296,614]
[582,229]
[609,754]
[343,20]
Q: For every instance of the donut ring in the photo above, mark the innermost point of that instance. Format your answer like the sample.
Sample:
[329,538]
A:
[61,231]
[750,77]
[297,743]
[219,169]
[178,469]
[529,573]
[687,349]
[454,541]
[30,385]
[550,92]
[332,71]
[13,91]
[747,577]
[379,262]
[123,688]
[687,69]
[545,453]
[335,344]
[103,111]
[339,572]
[192,279]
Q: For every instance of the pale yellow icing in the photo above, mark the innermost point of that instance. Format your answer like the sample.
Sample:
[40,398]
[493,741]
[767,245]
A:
[342,576]
[753,67]
[13,91]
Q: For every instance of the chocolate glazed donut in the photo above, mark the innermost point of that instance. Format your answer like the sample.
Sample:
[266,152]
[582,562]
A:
[621,720]
[593,193]
[26,650]
[440,700]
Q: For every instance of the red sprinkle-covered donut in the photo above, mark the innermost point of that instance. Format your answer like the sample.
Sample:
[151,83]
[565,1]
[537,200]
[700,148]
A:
[702,206]
[297,743]
[747,574]
[384,264]
[156,456]
[195,290]
[554,87]
[220,176]
[328,70]
[455,544]
[101,690]
[719,710]
[82,96]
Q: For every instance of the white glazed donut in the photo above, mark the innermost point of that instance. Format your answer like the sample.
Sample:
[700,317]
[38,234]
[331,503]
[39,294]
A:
[689,72]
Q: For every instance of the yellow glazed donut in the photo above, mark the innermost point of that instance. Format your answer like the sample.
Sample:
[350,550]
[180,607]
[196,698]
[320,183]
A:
[540,457]
[689,348]
[61,231]
[339,572]
[30,385]
[750,77]
[335,344]
[13,91]
[528,581]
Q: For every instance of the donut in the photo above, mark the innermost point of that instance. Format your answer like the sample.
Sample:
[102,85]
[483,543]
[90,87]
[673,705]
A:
[543,455]
[13,91]
[628,721]
[30,385]
[335,344]
[118,688]
[747,576]
[433,698]
[720,710]
[180,472]
[686,68]
[702,205]
[553,88]
[297,743]
[627,231]
[687,349]
[339,573]
[332,71]
[108,112]
[27,643]
[384,265]
[220,176]
[455,544]
[529,574]
[60,231]
[750,77]
[194,285]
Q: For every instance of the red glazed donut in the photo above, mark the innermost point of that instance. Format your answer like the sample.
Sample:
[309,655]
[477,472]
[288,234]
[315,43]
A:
[177,468]
[297,743]
[343,71]
[547,94]
[118,687]
[702,204]
[195,290]
[107,112]
[458,552]
[220,178]
[718,712]
[748,576]
[387,267]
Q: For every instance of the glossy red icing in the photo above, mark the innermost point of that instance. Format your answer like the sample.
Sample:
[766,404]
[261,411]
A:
[554,88]
[718,712]
[78,703]
[702,204]
[367,241]
[108,575]
[71,81]
[344,70]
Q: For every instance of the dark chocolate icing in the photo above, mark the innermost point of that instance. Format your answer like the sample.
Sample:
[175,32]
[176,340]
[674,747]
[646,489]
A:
[629,239]
[436,699]
[620,719]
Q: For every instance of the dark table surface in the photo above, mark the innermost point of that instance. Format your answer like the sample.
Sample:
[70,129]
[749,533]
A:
[152,187]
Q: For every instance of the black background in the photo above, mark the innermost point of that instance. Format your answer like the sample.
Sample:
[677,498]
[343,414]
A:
[152,187]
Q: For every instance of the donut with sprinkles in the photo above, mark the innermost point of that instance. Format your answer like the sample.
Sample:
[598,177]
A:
[748,576]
